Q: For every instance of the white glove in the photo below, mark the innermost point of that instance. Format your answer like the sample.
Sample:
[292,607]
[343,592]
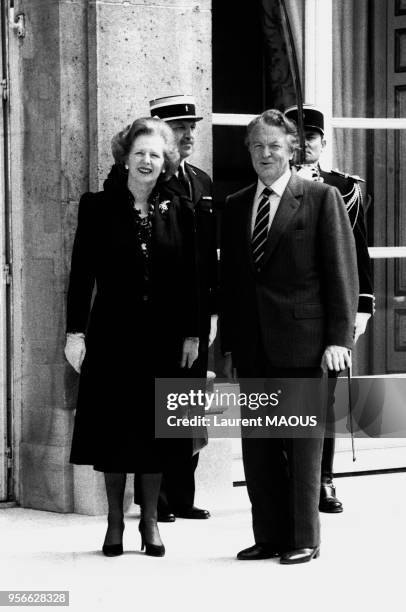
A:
[306,172]
[361,321]
[213,329]
[75,350]
[190,352]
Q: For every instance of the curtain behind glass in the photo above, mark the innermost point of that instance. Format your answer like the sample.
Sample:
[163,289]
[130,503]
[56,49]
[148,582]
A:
[296,12]
[279,88]
[351,82]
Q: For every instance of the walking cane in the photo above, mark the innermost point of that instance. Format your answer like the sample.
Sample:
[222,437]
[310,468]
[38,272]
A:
[350,409]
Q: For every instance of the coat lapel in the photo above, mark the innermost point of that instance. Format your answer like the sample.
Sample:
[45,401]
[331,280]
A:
[174,187]
[250,195]
[196,187]
[288,206]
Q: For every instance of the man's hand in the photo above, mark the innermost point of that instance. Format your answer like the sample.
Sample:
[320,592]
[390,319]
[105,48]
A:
[213,329]
[190,352]
[75,350]
[361,321]
[336,358]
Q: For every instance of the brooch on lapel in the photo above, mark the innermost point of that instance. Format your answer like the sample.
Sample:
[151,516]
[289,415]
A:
[163,207]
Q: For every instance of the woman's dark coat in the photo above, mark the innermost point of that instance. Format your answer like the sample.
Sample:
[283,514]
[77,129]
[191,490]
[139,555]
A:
[133,333]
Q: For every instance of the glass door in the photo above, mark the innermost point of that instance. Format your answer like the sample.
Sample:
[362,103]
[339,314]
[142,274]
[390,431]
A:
[365,109]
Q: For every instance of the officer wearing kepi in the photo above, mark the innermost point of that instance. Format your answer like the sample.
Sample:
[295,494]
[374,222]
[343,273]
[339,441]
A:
[195,188]
[348,186]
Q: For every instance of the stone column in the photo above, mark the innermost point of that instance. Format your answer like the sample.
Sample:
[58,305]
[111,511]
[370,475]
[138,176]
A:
[143,50]
[53,147]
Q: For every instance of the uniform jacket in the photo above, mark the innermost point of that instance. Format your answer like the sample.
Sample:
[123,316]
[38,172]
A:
[206,243]
[352,196]
[305,296]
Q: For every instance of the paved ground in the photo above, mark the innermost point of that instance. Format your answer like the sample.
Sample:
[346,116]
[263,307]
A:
[362,564]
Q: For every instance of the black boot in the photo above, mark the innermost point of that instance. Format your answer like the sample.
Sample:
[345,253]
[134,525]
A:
[328,501]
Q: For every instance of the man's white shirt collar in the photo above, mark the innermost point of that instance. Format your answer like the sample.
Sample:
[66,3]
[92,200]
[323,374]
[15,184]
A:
[278,186]
[182,163]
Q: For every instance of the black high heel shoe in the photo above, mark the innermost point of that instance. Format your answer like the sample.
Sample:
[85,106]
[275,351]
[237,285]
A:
[114,550]
[153,550]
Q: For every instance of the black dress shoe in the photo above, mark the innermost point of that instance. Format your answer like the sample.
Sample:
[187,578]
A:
[256,552]
[192,513]
[328,500]
[301,555]
[164,516]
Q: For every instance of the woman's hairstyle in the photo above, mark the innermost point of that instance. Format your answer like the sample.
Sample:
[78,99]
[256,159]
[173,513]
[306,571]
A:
[274,118]
[122,142]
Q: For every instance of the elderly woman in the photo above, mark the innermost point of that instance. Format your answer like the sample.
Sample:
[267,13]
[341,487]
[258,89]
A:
[134,244]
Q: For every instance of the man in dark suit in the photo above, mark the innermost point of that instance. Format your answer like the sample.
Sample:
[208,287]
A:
[195,189]
[348,186]
[289,291]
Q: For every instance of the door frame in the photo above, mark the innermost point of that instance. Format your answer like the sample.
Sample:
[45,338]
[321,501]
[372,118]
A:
[11,220]
[4,293]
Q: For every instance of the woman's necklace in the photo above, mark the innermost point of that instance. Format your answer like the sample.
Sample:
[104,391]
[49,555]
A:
[141,209]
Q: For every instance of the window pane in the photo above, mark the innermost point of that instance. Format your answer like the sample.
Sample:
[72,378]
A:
[369,58]
[379,157]
[251,70]
[237,58]
[382,350]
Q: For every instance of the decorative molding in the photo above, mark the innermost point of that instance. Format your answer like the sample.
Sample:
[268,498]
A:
[387,252]
[368,123]
[400,7]
[400,329]
[400,50]
[355,123]
[400,186]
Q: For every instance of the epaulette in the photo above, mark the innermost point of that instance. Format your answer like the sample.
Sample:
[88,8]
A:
[352,177]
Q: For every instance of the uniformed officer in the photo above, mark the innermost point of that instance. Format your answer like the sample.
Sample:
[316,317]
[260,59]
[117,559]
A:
[195,187]
[348,186]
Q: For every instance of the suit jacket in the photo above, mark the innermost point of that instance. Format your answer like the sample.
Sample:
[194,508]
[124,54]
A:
[201,204]
[352,196]
[305,296]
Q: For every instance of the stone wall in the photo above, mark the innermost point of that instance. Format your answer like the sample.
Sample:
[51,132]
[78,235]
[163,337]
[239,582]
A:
[143,50]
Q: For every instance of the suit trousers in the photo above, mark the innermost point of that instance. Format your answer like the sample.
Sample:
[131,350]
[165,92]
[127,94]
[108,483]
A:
[178,484]
[178,481]
[283,476]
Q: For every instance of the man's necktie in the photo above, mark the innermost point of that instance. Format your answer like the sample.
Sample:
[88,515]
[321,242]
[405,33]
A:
[260,233]
[183,179]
